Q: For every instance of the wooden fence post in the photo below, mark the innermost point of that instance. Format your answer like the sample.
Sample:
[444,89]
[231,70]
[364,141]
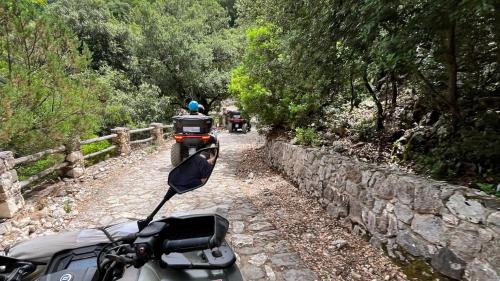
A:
[157,133]
[11,199]
[122,140]
[74,159]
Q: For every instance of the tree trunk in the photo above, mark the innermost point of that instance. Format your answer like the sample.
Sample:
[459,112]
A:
[452,69]
[353,93]
[9,58]
[380,109]
[394,91]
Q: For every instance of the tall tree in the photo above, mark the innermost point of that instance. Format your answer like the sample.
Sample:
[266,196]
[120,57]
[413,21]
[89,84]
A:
[48,95]
[186,48]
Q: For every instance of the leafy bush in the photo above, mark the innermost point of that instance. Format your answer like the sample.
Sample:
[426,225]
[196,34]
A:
[365,130]
[307,136]
[265,86]
[27,170]
[130,105]
[95,147]
[488,188]
[47,92]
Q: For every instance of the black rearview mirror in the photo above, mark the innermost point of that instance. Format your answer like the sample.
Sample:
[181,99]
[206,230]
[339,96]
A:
[195,171]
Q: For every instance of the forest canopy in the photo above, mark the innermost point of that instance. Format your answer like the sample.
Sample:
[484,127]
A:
[417,80]
[75,68]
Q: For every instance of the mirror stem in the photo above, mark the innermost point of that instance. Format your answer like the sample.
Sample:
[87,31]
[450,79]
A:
[143,223]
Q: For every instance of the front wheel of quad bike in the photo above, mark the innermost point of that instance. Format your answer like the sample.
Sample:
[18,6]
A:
[176,154]
[244,128]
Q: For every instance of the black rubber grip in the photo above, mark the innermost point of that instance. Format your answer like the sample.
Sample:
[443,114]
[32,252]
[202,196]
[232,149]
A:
[186,245]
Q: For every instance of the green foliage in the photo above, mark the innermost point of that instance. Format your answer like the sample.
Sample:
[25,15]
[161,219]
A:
[488,188]
[101,25]
[130,105]
[192,52]
[262,84]
[186,49]
[327,52]
[95,147]
[307,136]
[48,94]
[29,169]
[73,67]
[308,62]
[365,130]
[67,206]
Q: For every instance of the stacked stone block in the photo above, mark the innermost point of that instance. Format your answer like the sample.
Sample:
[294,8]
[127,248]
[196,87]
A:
[11,199]
[456,229]
[157,133]
[122,140]
[74,159]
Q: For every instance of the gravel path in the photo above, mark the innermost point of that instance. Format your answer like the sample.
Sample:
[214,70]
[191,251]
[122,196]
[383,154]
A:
[275,239]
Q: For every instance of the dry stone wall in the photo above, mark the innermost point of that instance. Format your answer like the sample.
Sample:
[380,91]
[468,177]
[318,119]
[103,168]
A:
[10,189]
[455,228]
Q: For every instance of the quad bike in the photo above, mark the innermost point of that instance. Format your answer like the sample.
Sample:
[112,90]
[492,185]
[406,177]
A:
[192,132]
[188,248]
[235,122]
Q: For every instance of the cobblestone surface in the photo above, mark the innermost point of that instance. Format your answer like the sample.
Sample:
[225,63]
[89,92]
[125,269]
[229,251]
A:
[131,187]
[134,192]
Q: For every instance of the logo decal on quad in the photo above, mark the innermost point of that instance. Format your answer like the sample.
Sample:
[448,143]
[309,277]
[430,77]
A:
[66,277]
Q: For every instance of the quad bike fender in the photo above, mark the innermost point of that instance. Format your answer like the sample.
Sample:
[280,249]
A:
[152,271]
[41,249]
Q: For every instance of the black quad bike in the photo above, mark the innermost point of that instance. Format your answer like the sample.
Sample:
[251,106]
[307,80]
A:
[236,123]
[192,133]
[187,248]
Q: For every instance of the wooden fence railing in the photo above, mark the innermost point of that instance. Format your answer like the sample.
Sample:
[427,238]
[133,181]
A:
[11,199]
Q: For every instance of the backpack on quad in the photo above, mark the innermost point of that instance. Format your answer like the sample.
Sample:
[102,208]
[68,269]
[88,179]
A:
[192,133]
[236,123]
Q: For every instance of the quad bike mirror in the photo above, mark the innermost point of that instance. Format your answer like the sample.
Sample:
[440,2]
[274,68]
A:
[190,174]
[195,171]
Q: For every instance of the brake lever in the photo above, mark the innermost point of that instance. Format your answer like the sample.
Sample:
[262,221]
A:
[121,259]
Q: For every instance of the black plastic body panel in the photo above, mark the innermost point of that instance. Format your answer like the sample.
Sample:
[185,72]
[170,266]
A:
[85,274]
[203,122]
[71,258]
[194,232]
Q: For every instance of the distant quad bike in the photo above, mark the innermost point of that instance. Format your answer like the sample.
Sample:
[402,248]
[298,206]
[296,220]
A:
[192,133]
[236,123]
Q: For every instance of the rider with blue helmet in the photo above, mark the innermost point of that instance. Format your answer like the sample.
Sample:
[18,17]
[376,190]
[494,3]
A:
[193,107]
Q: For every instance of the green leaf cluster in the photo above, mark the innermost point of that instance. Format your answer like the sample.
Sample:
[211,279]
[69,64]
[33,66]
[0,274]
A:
[47,94]
[71,68]
[313,55]
[307,136]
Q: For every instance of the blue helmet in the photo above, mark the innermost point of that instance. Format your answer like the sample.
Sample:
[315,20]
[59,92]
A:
[193,105]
